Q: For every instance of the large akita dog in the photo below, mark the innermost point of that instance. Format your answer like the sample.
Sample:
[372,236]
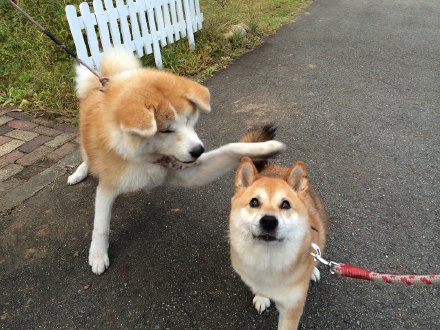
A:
[138,133]
[275,217]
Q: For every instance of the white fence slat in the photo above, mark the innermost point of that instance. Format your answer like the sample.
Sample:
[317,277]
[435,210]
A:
[175,23]
[133,9]
[113,17]
[193,15]
[125,29]
[92,40]
[181,19]
[146,35]
[159,22]
[76,25]
[102,20]
[142,26]
[189,27]
[154,34]
[199,16]
[168,27]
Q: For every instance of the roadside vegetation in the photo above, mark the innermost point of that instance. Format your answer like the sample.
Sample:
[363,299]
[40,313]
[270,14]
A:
[37,75]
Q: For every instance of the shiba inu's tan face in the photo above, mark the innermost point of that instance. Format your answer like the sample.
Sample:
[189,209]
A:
[268,210]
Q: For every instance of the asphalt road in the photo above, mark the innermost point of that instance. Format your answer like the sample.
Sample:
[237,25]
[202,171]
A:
[353,87]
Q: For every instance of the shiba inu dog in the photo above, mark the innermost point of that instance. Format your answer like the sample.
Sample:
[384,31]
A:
[275,217]
[138,133]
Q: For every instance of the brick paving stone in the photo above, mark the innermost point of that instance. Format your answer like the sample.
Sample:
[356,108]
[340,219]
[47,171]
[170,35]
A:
[43,121]
[10,158]
[62,151]
[34,143]
[22,135]
[20,115]
[5,119]
[10,170]
[10,146]
[9,184]
[4,139]
[5,129]
[46,131]
[60,139]
[4,110]
[66,128]
[33,156]
[21,124]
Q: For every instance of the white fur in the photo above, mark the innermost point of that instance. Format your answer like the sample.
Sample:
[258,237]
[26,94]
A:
[116,61]
[261,303]
[143,150]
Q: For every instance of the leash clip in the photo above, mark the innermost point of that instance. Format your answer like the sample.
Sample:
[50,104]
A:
[317,256]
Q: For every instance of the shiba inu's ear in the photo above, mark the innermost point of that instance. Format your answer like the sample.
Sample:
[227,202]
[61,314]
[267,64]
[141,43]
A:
[138,120]
[297,177]
[199,95]
[246,174]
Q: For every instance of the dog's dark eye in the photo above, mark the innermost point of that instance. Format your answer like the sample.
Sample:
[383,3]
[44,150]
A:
[166,131]
[254,202]
[285,205]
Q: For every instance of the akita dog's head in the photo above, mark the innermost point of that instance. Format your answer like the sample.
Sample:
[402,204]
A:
[147,112]
[268,210]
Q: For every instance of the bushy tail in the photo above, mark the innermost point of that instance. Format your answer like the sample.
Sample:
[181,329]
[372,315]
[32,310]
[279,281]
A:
[260,134]
[112,62]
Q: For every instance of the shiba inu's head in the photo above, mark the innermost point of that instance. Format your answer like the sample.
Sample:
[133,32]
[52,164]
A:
[268,211]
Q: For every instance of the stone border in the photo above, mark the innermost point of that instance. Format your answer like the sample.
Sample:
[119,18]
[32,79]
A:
[28,189]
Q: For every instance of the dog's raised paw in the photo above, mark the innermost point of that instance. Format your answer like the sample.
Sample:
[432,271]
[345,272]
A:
[316,275]
[261,303]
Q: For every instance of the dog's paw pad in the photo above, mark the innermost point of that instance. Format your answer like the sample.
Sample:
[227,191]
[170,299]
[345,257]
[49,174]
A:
[316,275]
[261,303]
[99,263]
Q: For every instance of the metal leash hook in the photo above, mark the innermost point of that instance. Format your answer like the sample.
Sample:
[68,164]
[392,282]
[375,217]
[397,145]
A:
[317,256]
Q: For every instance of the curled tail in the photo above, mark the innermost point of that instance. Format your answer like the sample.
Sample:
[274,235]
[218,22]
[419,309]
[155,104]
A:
[112,62]
[260,134]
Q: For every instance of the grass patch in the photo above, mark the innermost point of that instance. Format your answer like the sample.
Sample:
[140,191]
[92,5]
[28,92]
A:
[38,75]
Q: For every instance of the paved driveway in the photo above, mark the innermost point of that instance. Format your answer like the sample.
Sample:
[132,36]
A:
[353,87]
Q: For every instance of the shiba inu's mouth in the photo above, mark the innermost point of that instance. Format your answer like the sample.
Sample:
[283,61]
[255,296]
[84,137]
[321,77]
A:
[172,162]
[267,238]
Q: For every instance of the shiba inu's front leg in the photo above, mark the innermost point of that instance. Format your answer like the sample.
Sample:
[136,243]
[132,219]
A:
[98,254]
[215,163]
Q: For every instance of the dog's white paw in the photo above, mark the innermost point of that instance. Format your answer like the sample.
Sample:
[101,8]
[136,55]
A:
[99,262]
[79,175]
[274,147]
[261,303]
[316,275]
[98,257]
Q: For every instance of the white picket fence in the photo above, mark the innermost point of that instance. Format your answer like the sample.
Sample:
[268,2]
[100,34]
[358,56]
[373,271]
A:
[142,26]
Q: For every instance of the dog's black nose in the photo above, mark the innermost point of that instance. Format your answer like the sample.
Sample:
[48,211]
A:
[269,223]
[197,151]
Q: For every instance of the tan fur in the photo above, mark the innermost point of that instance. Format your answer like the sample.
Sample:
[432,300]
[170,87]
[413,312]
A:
[148,97]
[138,132]
[294,277]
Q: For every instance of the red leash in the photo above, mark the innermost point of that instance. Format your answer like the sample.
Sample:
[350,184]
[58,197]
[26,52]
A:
[347,270]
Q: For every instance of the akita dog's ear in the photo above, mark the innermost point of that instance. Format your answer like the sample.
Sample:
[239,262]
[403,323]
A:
[200,97]
[297,177]
[138,120]
[246,174]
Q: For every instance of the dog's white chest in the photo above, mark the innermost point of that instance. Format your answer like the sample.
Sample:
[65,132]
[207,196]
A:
[142,176]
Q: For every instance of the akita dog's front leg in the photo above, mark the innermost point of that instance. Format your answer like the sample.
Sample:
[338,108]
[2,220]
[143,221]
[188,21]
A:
[215,163]
[98,254]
